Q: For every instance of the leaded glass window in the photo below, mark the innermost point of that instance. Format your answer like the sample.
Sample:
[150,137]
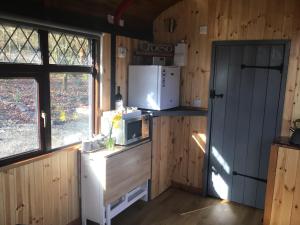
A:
[19,44]
[44,107]
[69,49]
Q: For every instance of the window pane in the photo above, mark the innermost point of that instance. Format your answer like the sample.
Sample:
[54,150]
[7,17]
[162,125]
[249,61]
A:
[19,130]
[70,108]
[68,49]
[19,45]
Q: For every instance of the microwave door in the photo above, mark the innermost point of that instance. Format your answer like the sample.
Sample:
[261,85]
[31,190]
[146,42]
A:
[134,131]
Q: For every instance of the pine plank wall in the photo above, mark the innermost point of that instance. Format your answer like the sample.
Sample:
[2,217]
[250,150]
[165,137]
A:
[46,191]
[42,191]
[226,20]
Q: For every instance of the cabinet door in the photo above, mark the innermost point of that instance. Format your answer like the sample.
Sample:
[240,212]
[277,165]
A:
[127,170]
[91,188]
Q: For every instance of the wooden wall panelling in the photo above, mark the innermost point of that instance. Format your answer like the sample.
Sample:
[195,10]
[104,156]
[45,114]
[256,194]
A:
[10,196]
[291,109]
[48,194]
[63,207]
[181,150]
[196,151]
[295,215]
[21,198]
[122,63]
[284,186]
[189,149]
[121,67]
[166,148]
[2,200]
[38,192]
[283,189]
[271,183]
[177,160]
[230,20]
[106,72]
[161,155]
[73,192]
[55,160]
[36,185]
[155,159]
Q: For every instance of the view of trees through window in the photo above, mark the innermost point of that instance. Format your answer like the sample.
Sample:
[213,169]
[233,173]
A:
[24,127]
[19,130]
[70,108]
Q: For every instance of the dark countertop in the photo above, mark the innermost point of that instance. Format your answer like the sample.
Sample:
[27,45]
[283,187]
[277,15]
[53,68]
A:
[178,111]
[285,142]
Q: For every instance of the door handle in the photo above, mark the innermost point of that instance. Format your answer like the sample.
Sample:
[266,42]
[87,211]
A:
[44,117]
[214,170]
[213,94]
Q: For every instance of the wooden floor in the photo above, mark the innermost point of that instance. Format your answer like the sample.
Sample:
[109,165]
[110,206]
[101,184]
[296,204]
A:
[176,207]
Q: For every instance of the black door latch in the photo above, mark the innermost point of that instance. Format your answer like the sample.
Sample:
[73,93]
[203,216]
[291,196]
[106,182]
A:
[234,173]
[213,94]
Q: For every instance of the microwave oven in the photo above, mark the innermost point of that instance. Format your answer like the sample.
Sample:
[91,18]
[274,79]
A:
[130,129]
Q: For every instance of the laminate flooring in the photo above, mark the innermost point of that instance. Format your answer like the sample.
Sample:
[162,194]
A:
[177,207]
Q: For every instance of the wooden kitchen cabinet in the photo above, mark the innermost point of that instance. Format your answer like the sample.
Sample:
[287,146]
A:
[282,204]
[112,180]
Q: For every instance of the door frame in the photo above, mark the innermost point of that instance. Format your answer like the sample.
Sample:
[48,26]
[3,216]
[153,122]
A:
[215,44]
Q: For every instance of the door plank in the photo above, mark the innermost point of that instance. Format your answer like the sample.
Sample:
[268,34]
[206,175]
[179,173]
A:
[231,112]
[256,124]
[270,116]
[245,104]
[216,181]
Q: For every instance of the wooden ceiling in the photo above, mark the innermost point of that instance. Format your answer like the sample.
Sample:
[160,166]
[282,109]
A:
[138,17]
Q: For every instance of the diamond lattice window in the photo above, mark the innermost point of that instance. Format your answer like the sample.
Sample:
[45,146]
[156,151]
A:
[19,45]
[68,49]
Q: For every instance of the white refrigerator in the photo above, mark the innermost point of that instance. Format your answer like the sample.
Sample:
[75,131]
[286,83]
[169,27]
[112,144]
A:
[154,87]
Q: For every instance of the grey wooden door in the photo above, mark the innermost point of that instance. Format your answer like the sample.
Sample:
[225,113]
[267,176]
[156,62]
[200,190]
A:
[247,89]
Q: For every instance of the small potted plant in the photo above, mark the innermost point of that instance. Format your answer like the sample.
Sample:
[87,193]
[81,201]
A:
[110,142]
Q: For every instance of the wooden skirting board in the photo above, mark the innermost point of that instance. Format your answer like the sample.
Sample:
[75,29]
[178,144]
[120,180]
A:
[75,222]
[189,189]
